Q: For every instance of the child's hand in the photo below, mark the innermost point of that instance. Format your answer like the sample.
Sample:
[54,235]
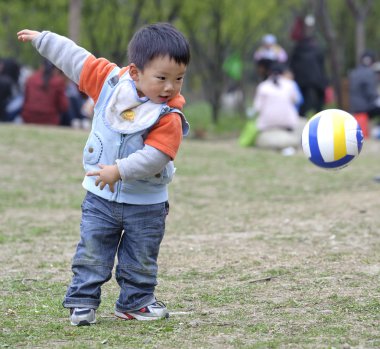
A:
[27,35]
[109,174]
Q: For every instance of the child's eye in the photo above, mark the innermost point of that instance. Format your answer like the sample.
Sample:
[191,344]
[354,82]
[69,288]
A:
[180,78]
[161,78]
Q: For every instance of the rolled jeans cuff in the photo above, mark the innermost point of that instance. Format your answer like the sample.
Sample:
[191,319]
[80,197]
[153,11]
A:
[81,303]
[143,303]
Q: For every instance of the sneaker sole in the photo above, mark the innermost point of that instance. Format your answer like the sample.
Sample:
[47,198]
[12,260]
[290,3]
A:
[83,323]
[139,317]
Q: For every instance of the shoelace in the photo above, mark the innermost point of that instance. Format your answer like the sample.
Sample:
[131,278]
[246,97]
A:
[159,303]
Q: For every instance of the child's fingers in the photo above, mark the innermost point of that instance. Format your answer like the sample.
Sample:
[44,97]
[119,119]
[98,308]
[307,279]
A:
[27,35]
[26,32]
[22,36]
[93,173]
[23,32]
[97,181]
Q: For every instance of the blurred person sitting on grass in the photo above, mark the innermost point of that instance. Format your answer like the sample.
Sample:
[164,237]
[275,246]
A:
[136,132]
[278,122]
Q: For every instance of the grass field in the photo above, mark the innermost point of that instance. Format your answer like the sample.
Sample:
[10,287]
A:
[261,250]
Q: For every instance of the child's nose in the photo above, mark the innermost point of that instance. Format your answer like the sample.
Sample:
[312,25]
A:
[168,86]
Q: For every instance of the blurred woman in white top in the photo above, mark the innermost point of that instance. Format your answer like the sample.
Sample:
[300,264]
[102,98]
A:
[279,124]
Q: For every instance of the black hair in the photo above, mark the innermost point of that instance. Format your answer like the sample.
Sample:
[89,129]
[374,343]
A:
[276,70]
[160,39]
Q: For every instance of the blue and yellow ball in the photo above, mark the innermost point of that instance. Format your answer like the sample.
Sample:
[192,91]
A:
[332,138]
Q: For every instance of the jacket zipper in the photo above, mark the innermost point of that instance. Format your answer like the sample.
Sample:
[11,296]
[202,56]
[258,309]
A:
[118,183]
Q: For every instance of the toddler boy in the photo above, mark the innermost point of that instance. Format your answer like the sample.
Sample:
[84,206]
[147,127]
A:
[137,129]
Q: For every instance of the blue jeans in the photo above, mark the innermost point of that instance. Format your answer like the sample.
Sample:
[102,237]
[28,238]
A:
[134,233]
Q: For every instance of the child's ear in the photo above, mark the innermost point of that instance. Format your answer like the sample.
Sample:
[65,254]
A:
[134,72]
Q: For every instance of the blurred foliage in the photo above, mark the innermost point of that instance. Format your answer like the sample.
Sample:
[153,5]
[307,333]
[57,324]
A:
[107,26]
[216,30]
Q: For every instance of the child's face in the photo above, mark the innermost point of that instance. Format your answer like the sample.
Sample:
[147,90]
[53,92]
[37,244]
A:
[160,80]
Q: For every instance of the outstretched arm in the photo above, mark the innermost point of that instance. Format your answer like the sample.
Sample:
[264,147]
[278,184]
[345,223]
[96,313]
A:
[61,51]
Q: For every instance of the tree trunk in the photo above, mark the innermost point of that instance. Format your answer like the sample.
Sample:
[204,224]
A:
[217,71]
[334,48]
[360,13]
[360,37]
[74,19]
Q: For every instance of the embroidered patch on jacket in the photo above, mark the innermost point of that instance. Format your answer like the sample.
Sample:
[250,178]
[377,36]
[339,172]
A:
[128,115]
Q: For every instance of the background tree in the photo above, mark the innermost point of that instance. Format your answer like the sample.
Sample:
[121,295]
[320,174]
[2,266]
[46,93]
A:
[35,14]
[360,12]
[218,28]
[334,48]
[109,25]
[334,19]
[75,7]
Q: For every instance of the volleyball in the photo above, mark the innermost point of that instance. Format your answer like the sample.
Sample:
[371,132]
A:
[332,138]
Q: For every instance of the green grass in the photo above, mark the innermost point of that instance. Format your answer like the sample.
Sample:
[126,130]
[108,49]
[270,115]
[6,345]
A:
[261,250]
[199,116]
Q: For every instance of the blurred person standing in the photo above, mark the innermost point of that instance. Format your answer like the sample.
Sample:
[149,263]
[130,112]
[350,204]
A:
[363,92]
[307,64]
[45,97]
[376,69]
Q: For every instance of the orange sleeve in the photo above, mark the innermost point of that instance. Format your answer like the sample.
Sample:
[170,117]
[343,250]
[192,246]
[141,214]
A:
[177,102]
[166,135]
[94,73]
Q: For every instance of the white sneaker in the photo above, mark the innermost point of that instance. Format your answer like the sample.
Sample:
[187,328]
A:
[86,124]
[288,151]
[82,316]
[154,311]
[76,124]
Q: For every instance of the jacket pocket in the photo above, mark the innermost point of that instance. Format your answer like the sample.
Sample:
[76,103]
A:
[93,150]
